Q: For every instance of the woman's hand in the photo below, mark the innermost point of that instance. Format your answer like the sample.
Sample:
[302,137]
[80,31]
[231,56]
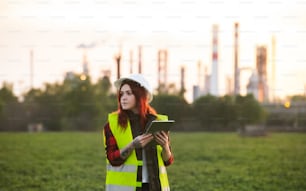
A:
[162,138]
[138,142]
[142,140]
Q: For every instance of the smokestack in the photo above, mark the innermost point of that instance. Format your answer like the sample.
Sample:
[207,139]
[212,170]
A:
[118,60]
[261,65]
[162,59]
[166,67]
[236,67]
[85,63]
[199,73]
[207,81]
[158,68]
[182,80]
[214,88]
[229,85]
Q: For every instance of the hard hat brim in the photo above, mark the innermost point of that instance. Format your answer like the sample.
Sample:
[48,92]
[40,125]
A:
[138,78]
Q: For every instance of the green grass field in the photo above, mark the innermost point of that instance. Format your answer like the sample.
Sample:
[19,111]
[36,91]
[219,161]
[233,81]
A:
[203,161]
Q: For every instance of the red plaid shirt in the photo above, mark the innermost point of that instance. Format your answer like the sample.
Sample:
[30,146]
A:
[113,152]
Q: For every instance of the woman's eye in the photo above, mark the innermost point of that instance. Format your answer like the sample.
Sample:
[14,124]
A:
[126,93]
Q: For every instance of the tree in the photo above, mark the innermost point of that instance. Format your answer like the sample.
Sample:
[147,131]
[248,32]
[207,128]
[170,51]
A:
[8,108]
[79,105]
[45,106]
[33,107]
[105,101]
[205,110]
[227,112]
[174,106]
[298,98]
[249,110]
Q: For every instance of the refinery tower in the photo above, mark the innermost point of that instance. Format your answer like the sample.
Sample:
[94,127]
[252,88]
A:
[214,87]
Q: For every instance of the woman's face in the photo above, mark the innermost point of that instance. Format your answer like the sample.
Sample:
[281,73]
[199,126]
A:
[127,98]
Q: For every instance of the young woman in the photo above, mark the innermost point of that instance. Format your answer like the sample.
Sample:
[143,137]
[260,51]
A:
[135,160]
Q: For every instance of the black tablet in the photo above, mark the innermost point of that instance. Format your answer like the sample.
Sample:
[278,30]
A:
[160,125]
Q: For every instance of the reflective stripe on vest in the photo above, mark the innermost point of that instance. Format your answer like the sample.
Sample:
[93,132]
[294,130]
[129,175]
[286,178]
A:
[110,187]
[122,168]
[124,177]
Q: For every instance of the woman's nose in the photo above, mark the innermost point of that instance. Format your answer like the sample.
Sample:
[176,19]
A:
[123,96]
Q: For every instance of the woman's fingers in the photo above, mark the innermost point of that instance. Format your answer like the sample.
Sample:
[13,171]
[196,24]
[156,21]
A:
[147,138]
[161,138]
[142,140]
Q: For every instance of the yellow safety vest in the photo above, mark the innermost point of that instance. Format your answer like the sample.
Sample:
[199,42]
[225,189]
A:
[124,177]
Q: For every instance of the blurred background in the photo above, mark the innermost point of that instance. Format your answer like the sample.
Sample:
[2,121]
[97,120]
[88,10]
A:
[218,65]
[235,66]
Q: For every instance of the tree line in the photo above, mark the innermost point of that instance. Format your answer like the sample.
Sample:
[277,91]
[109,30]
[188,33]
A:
[79,104]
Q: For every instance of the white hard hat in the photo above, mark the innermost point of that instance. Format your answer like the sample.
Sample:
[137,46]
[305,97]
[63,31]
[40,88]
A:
[139,78]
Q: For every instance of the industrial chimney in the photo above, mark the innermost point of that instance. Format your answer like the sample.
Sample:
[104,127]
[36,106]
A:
[214,88]
[236,67]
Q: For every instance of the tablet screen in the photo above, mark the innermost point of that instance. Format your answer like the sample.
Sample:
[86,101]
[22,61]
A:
[157,125]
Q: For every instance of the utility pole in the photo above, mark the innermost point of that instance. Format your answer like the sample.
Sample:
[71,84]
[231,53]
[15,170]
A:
[31,68]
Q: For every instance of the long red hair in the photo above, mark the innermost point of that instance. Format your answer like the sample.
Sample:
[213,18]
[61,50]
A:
[141,103]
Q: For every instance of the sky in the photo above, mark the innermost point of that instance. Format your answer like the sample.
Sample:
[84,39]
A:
[55,29]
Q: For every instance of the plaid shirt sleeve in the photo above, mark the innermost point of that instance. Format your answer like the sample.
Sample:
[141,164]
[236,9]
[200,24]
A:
[170,161]
[111,149]
[113,152]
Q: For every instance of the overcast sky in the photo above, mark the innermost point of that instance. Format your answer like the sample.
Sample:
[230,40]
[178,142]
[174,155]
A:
[54,29]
